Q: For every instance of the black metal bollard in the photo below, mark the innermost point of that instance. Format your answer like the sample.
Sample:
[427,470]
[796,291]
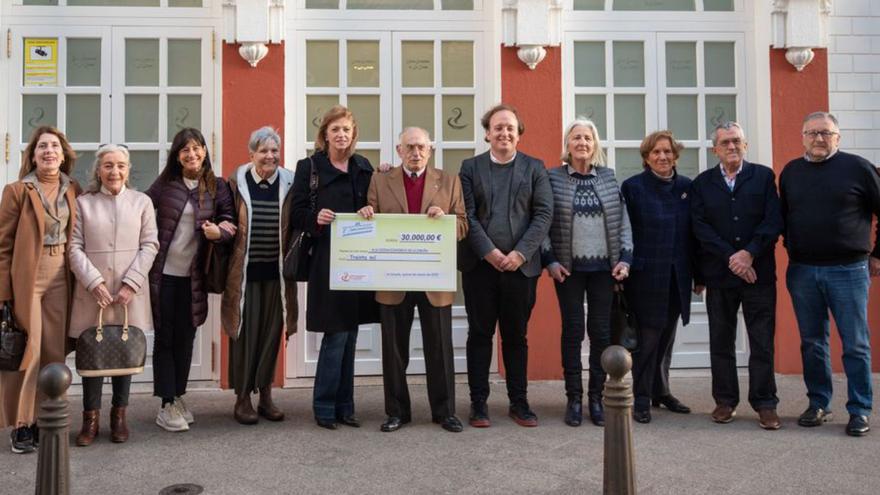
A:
[53,464]
[620,476]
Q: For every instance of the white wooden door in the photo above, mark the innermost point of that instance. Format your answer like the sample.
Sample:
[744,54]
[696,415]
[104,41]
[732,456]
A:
[135,86]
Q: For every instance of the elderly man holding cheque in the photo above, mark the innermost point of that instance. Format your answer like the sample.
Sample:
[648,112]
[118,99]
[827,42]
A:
[415,188]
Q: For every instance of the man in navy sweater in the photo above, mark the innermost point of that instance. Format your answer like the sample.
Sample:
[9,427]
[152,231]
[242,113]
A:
[736,219]
[828,198]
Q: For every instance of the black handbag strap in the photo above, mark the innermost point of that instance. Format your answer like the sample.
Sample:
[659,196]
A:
[313,185]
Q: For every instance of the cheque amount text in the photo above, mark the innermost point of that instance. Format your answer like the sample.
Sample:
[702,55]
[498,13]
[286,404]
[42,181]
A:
[420,237]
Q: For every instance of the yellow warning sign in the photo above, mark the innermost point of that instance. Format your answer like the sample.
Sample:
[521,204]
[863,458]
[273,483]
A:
[41,61]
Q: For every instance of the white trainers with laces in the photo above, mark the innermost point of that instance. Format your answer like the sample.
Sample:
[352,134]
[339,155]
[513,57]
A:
[184,410]
[170,419]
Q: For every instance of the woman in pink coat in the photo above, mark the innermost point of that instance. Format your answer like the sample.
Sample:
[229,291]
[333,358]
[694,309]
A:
[111,252]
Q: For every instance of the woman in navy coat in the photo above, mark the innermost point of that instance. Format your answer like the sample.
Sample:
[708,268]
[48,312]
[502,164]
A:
[659,285]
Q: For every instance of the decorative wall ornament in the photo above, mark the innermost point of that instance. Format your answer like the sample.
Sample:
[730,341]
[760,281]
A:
[799,26]
[531,25]
[254,24]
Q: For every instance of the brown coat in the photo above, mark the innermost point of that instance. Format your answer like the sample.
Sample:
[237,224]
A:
[22,226]
[232,305]
[114,242]
[388,195]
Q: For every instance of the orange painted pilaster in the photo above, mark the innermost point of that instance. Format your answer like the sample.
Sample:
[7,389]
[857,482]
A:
[252,98]
[793,95]
[537,95]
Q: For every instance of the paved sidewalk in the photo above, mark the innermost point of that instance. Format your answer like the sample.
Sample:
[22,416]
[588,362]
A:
[675,454]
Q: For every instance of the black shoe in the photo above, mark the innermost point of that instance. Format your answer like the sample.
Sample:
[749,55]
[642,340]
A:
[449,423]
[330,424]
[814,417]
[642,415]
[597,412]
[671,403]
[479,417]
[393,423]
[350,420]
[22,440]
[574,412]
[522,414]
[857,426]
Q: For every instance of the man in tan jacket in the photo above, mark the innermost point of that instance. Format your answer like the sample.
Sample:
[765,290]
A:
[416,188]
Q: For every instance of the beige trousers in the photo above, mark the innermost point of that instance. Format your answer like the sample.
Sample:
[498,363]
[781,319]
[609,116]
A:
[46,332]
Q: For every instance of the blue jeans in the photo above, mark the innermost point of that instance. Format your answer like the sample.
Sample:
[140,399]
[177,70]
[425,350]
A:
[334,377]
[843,289]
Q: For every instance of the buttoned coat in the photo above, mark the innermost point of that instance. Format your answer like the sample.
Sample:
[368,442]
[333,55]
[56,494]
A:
[725,221]
[114,242]
[328,310]
[232,305]
[22,227]
[530,210]
[663,243]
[387,194]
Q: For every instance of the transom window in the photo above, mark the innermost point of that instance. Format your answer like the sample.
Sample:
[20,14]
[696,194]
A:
[656,5]
[117,3]
[391,4]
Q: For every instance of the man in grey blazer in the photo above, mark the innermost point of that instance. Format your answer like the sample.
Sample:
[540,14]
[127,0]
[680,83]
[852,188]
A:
[509,207]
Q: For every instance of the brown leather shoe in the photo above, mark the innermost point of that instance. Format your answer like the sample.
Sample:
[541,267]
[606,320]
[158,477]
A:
[723,414]
[266,408]
[118,428]
[244,410]
[89,428]
[768,419]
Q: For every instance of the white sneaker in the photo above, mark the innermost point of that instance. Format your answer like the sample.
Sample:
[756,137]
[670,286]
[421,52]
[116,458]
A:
[184,410]
[170,419]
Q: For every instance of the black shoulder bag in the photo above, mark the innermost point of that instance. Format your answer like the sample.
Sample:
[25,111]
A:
[299,253]
[12,340]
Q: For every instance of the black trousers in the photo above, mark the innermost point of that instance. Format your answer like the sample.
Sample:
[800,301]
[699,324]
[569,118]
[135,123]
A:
[651,361]
[92,388]
[506,299]
[436,323]
[599,289]
[173,340]
[759,310]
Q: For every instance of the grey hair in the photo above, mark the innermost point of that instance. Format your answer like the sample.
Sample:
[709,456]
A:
[598,158]
[261,135]
[415,128]
[730,124]
[821,115]
[95,179]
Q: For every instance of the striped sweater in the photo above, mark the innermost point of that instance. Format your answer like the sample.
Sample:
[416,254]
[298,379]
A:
[265,236]
[557,246]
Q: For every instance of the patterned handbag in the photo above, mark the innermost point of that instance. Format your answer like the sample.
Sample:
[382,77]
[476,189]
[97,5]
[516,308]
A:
[111,350]
[12,340]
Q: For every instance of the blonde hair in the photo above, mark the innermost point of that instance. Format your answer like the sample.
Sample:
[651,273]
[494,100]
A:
[336,112]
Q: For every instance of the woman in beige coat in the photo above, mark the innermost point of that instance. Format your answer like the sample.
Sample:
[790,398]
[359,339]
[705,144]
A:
[37,214]
[111,251]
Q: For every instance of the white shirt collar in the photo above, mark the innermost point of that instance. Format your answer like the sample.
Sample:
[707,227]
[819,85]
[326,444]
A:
[107,191]
[258,179]
[495,160]
[724,170]
[408,172]
[807,158]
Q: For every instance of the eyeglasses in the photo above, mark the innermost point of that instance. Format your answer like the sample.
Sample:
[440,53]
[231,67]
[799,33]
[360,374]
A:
[815,134]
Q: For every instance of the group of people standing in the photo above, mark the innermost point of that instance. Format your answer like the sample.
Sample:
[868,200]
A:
[66,254]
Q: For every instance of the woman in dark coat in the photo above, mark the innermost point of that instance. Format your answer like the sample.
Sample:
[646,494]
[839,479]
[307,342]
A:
[193,208]
[343,180]
[659,286]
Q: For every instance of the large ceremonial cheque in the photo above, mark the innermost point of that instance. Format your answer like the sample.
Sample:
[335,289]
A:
[392,252]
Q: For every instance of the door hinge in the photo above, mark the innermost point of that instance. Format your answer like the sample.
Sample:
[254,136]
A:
[213,357]
[9,43]
[213,45]
[8,143]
